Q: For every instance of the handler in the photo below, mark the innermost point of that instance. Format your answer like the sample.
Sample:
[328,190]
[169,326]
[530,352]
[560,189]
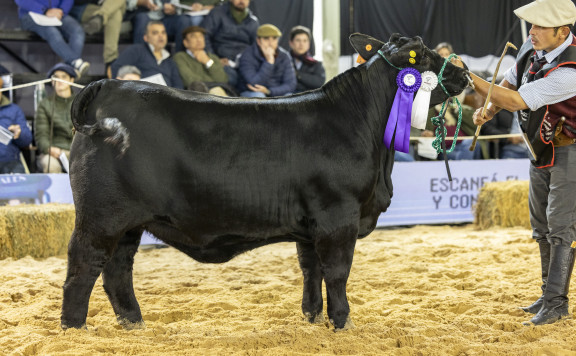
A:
[541,87]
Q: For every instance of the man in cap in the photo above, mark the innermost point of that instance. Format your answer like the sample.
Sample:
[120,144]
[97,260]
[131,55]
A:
[265,69]
[541,87]
[13,120]
[52,123]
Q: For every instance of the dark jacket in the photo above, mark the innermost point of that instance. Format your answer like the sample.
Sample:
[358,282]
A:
[224,36]
[311,74]
[11,114]
[141,56]
[253,68]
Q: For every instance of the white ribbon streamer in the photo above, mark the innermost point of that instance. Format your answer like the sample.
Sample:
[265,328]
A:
[421,103]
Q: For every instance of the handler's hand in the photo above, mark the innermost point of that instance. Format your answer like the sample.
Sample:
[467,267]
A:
[457,61]
[479,120]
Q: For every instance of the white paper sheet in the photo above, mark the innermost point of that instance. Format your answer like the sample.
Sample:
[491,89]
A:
[44,20]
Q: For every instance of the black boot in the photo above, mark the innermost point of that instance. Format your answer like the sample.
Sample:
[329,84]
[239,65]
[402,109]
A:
[555,305]
[545,263]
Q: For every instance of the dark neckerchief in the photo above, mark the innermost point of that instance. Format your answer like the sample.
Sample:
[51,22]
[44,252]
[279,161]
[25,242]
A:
[304,58]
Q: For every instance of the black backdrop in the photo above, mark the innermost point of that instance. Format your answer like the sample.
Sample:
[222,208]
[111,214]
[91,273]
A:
[285,14]
[476,28]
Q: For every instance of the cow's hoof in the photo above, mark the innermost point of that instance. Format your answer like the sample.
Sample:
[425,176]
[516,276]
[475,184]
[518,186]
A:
[347,325]
[315,319]
[129,325]
[66,326]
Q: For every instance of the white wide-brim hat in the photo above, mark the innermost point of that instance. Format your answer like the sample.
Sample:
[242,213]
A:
[548,13]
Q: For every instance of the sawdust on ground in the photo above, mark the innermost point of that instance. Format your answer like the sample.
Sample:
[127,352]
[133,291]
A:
[425,290]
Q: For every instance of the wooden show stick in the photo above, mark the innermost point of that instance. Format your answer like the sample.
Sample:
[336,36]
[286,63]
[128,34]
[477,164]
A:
[508,44]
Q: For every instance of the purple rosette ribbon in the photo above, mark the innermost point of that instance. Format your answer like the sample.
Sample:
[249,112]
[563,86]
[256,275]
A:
[398,126]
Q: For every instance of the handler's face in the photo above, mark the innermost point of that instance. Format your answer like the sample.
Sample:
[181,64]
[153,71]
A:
[543,38]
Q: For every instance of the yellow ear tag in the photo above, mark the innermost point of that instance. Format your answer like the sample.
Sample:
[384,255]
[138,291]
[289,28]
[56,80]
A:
[412,54]
[412,60]
[573,244]
[368,47]
[360,60]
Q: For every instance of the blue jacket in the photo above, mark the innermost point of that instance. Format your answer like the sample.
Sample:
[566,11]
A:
[253,68]
[11,114]
[224,36]
[141,56]
[40,6]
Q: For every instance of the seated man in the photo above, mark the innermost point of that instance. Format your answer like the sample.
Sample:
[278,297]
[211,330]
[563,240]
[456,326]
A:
[67,40]
[150,57]
[265,69]
[195,65]
[129,73]
[95,15]
[53,124]
[12,118]
[309,72]
[230,29]
[171,13]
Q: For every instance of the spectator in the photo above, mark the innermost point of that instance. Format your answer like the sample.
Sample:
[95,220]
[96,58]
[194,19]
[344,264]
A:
[230,29]
[53,125]
[129,72]
[12,118]
[95,15]
[67,41]
[171,14]
[150,57]
[191,19]
[195,65]
[309,72]
[265,69]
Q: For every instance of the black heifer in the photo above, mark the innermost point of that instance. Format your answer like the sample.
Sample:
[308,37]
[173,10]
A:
[215,177]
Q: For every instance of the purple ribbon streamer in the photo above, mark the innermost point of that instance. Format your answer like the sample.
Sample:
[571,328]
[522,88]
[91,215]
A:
[400,115]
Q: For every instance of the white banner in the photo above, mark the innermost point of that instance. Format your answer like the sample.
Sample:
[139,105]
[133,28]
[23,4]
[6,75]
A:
[424,195]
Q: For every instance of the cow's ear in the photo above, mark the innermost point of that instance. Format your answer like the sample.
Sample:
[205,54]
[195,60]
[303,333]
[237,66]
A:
[366,46]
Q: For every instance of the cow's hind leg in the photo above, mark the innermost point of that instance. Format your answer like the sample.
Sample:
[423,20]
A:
[312,295]
[336,252]
[117,280]
[86,259]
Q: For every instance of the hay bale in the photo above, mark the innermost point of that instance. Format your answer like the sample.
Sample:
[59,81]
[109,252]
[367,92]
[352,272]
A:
[502,204]
[35,230]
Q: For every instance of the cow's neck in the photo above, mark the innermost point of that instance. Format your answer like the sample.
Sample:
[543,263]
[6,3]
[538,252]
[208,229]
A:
[366,92]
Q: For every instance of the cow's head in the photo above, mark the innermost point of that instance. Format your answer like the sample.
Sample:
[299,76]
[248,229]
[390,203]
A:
[398,53]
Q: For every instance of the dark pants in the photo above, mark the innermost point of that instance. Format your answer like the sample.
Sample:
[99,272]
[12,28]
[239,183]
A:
[552,198]
[11,167]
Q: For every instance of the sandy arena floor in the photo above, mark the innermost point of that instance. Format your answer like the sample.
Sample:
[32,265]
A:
[426,290]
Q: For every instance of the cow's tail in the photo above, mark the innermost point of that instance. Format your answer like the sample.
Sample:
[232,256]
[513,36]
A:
[110,128]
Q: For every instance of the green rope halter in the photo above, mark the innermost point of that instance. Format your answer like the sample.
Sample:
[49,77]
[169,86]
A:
[437,143]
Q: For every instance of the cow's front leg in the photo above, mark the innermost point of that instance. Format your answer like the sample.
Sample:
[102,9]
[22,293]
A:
[336,252]
[85,263]
[312,295]
[117,280]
